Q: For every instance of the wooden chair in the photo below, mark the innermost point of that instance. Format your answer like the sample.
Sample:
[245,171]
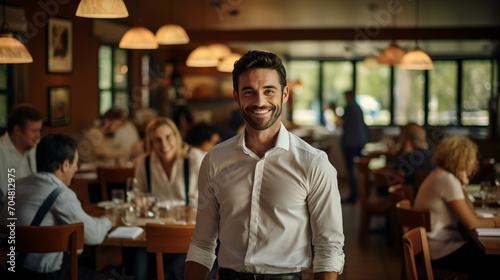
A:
[162,238]
[415,246]
[396,194]
[49,239]
[410,218]
[116,176]
[372,203]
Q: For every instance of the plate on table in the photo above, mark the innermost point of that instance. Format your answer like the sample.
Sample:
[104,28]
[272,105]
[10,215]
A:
[105,204]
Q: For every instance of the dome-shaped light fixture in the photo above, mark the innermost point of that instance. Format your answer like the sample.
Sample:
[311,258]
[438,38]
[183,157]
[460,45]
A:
[171,34]
[208,56]
[391,55]
[227,64]
[102,9]
[138,37]
[12,51]
[202,57]
[219,51]
[371,61]
[416,60]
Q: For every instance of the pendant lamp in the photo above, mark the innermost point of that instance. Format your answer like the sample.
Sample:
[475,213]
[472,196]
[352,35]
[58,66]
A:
[208,56]
[391,55]
[227,64]
[11,49]
[138,37]
[171,34]
[416,59]
[102,9]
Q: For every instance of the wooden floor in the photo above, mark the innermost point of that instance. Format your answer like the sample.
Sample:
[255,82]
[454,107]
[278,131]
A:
[373,259]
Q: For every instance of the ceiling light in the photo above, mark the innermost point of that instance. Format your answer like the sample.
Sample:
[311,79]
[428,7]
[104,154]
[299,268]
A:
[227,64]
[171,34]
[208,56]
[102,9]
[220,51]
[371,61]
[11,50]
[202,57]
[138,37]
[392,54]
[416,60]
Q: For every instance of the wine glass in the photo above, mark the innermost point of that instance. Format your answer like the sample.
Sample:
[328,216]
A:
[131,189]
[118,197]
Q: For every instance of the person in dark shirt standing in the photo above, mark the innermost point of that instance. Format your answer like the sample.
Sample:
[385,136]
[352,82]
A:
[354,137]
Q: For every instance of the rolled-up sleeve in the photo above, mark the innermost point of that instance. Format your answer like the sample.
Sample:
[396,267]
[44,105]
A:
[326,217]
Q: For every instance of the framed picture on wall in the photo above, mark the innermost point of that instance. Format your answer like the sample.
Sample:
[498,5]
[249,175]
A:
[59,45]
[59,105]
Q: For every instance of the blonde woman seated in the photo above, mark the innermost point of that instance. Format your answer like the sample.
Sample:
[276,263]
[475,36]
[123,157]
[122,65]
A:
[452,213]
[169,171]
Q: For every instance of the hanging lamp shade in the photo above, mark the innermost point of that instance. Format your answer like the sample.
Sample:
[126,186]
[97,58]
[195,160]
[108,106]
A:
[208,56]
[219,51]
[371,61]
[11,49]
[227,64]
[171,34]
[202,57]
[138,37]
[391,55]
[416,60]
[102,9]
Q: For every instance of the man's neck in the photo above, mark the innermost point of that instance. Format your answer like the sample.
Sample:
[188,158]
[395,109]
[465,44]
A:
[261,141]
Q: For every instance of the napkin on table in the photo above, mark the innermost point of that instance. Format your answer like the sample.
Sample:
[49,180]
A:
[126,232]
[488,231]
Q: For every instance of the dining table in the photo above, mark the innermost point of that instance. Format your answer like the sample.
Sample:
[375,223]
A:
[489,242]
[109,252]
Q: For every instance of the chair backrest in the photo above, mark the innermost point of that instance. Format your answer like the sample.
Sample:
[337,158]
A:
[49,239]
[416,249]
[108,175]
[399,192]
[167,239]
[410,218]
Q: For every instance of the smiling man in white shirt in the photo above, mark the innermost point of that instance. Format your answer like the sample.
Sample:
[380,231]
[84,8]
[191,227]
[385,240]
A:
[269,197]
[18,145]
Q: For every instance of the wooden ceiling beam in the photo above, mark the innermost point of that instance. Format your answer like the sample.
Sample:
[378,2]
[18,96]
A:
[371,33]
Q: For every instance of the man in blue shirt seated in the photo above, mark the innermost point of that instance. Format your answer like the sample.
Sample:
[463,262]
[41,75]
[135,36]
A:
[57,161]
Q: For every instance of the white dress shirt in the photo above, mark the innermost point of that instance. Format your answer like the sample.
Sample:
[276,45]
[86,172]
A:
[269,213]
[11,159]
[30,193]
[170,189]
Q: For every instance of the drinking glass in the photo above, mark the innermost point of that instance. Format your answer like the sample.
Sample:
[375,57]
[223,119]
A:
[118,197]
[131,189]
[484,191]
[496,169]
[129,215]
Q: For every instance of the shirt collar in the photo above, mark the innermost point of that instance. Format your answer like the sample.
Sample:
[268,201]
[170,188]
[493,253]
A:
[283,140]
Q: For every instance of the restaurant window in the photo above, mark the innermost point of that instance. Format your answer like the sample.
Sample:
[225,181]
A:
[337,79]
[305,95]
[408,96]
[113,78]
[443,85]
[476,92]
[373,93]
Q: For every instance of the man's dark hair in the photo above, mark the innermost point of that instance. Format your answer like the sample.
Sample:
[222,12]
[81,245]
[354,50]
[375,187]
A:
[20,115]
[258,60]
[53,150]
[199,133]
